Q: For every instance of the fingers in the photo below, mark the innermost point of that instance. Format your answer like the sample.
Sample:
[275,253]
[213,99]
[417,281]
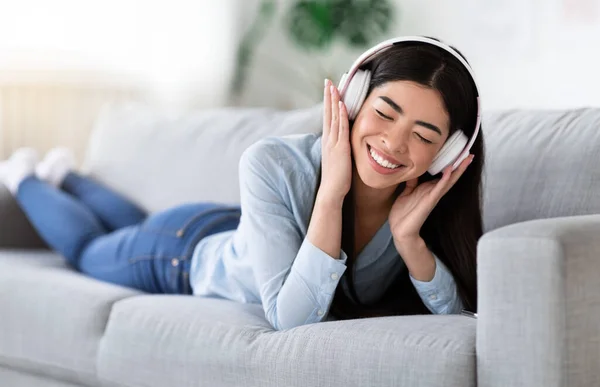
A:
[449,178]
[326,110]
[335,114]
[344,126]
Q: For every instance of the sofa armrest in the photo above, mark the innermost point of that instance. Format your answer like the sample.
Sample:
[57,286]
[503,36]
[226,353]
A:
[539,304]
[15,229]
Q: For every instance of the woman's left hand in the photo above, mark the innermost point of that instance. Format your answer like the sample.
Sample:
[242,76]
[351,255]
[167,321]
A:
[412,207]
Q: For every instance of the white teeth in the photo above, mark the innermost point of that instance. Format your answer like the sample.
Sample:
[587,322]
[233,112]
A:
[381,161]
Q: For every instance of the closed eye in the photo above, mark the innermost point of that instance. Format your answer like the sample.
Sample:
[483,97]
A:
[388,118]
[379,113]
[423,139]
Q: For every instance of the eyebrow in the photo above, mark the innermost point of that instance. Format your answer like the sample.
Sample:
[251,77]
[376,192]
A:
[397,108]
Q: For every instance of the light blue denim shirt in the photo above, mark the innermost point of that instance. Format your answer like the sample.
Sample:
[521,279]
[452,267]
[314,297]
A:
[269,260]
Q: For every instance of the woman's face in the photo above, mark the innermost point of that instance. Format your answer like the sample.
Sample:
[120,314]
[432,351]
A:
[401,125]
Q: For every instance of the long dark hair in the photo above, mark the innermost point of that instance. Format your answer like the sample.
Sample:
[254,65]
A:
[454,226]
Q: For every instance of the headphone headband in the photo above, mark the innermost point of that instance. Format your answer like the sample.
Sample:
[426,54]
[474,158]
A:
[387,44]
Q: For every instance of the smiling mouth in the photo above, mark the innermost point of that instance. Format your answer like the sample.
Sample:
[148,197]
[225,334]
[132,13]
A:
[381,161]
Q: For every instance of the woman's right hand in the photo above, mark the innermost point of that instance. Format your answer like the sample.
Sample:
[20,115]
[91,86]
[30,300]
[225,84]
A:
[336,162]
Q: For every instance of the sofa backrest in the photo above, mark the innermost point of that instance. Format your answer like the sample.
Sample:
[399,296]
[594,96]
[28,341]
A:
[159,160]
[541,164]
[538,163]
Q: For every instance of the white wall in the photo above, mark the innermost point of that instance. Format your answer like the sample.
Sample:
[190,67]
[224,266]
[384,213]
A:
[523,51]
[526,53]
[61,61]
[179,48]
[529,57]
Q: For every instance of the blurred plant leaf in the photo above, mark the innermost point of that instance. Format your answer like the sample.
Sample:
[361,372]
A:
[314,24]
[310,25]
[364,21]
[248,43]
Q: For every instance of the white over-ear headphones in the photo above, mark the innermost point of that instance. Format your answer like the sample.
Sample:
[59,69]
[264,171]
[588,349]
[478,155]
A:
[354,86]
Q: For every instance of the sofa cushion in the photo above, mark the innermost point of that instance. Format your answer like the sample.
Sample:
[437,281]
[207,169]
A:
[187,341]
[541,164]
[15,378]
[52,318]
[160,160]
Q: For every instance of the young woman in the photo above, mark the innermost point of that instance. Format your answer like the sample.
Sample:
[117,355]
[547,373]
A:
[356,221]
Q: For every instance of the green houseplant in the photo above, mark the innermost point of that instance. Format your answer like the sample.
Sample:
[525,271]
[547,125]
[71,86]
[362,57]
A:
[312,26]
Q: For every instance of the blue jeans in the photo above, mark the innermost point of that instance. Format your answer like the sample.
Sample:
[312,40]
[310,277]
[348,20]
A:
[105,236]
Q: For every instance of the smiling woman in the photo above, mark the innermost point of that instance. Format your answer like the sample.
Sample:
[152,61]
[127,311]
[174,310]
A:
[418,96]
[397,124]
[351,220]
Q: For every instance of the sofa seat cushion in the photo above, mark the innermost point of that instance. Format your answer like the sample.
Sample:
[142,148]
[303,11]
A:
[187,341]
[52,318]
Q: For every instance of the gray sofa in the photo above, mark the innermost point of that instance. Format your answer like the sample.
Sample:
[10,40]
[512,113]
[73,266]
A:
[538,264]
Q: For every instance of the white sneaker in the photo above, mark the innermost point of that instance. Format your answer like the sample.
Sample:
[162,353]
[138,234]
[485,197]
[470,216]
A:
[20,165]
[56,166]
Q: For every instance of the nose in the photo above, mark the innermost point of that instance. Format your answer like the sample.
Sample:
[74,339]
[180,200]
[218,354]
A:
[395,142]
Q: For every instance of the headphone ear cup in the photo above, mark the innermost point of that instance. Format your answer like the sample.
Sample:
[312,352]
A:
[356,92]
[449,152]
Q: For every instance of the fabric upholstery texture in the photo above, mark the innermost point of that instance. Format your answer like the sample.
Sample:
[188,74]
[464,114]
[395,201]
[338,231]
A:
[52,318]
[12,377]
[541,164]
[181,340]
[539,304]
[183,158]
[538,262]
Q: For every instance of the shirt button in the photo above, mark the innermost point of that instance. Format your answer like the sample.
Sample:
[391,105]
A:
[334,276]
[174,261]
[320,312]
[433,297]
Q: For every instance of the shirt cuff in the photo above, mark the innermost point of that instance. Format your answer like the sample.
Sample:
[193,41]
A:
[321,273]
[318,269]
[439,295]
